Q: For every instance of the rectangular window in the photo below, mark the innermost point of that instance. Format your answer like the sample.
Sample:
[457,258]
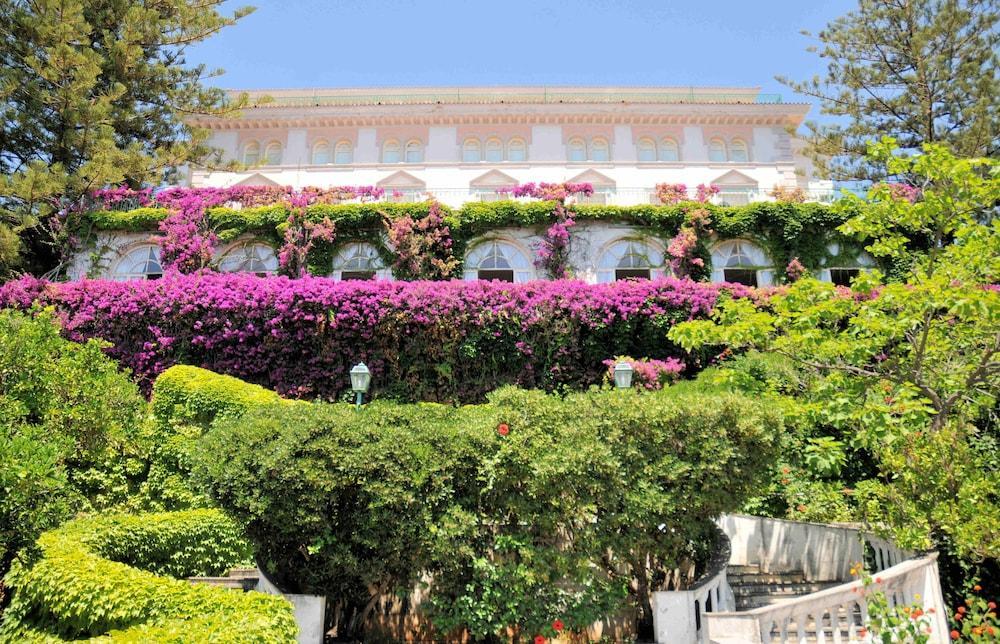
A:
[843,276]
[631,274]
[740,276]
[496,275]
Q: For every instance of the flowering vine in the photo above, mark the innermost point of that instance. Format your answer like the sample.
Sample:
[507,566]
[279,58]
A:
[552,254]
[705,193]
[671,193]
[233,196]
[683,248]
[300,235]
[795,270]
[188,241]
[788,194]
[423,246]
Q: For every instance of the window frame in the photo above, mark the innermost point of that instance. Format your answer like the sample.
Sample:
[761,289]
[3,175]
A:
[315,148]
[665,144]
[723,149]
[343,144]
[593,147]
[276,161]
[523,150]
[255,146]
[576,144]
[416,146]
[469,145]
[651,150]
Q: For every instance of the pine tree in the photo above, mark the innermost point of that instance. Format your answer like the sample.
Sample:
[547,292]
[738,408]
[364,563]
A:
[921,71]
[95,92]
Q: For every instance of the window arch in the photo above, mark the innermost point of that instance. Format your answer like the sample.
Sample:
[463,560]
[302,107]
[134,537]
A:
[321,154]
[471,151]
[253,257]
[414,151]
[272,153]
[494,150]
[391,152]
[738,151]
[358,261]
[647,150]
[140,263]
[600,150]
[741,261]
[717,150]
[343,153]
[577,149]
[498,259]
[630,259]
[669,150]
[251,153]
[517,150]
[843,267]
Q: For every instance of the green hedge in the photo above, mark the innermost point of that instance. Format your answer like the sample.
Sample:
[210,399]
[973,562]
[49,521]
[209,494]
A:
[555,519]
[103,577]
[786,230]
[198,397]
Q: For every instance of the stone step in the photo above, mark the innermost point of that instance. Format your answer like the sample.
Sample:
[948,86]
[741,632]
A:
[766,577]
[784,589]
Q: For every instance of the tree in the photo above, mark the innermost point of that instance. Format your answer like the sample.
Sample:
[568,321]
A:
[95,92]
[922,71]
[910,371]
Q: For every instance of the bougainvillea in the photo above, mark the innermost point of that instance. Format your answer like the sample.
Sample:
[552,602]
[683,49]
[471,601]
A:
[648,373]
[552,253]
[300,235]
[671,193]
[423,246]
[239,196]
[684,261]
[548,191]
[903,191]
[188,241]
[705,193]
[787,194]
[422,340]
[795,270]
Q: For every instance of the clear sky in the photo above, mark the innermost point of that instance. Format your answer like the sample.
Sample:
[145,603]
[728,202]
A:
[358,43]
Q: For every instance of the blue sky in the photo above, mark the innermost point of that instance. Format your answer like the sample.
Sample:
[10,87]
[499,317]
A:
[355,43]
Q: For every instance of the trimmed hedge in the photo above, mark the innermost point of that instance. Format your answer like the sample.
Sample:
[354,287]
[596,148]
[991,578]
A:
[787,230]
[438,341]
[525,509]
[104,577]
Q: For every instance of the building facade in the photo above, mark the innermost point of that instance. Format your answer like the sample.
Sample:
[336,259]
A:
[470,144]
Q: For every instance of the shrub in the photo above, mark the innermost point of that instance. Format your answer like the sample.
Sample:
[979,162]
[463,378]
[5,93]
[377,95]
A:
[524,510]
[103,577]
[422,340]
[67,418]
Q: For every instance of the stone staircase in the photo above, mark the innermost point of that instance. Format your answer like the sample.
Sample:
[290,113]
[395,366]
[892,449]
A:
[753,588]
[243,579]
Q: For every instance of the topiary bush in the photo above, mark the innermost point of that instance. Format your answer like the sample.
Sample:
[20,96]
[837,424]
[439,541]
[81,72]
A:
[432,341]
[517,512]
[104,577]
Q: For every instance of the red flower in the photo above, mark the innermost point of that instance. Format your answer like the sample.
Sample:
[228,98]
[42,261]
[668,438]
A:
[503,429]
[558,625]
[992,605]
[961,609]
[539,639]
[878,580]
[955,635]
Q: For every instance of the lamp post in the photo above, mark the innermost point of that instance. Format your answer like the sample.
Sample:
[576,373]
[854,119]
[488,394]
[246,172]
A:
[623,375]
[360,379]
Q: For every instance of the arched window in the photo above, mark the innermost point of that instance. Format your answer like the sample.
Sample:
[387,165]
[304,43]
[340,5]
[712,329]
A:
[344,153]
[472,151]
[669,151]
[843,267]
[251,153]
[630,259]
[358,261]
[717,150]
[498,260]
[517,150]
[140,263]
[647,150]
[738,151]
[414,152]
[391,152]
[600,150]
[254,257]
[272,153]
[741,261]
[577,150]
[494,150]
[321,153]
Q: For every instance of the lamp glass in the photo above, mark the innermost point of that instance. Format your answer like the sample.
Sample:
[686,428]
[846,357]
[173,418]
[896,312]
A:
[360,378]
[623,375]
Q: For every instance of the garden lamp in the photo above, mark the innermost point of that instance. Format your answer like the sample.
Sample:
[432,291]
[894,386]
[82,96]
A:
[360,379]
[623,375]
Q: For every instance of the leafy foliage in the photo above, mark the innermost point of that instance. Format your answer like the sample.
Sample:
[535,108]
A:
[924,71]
[524,510]
[106,576]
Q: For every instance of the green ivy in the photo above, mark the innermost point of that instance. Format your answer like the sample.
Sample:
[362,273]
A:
[785,230]
[106,577]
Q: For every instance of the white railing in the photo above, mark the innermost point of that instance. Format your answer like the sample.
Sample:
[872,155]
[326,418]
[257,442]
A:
[836,614]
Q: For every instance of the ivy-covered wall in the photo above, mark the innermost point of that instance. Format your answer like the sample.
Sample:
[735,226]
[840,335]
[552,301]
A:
[784,230]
